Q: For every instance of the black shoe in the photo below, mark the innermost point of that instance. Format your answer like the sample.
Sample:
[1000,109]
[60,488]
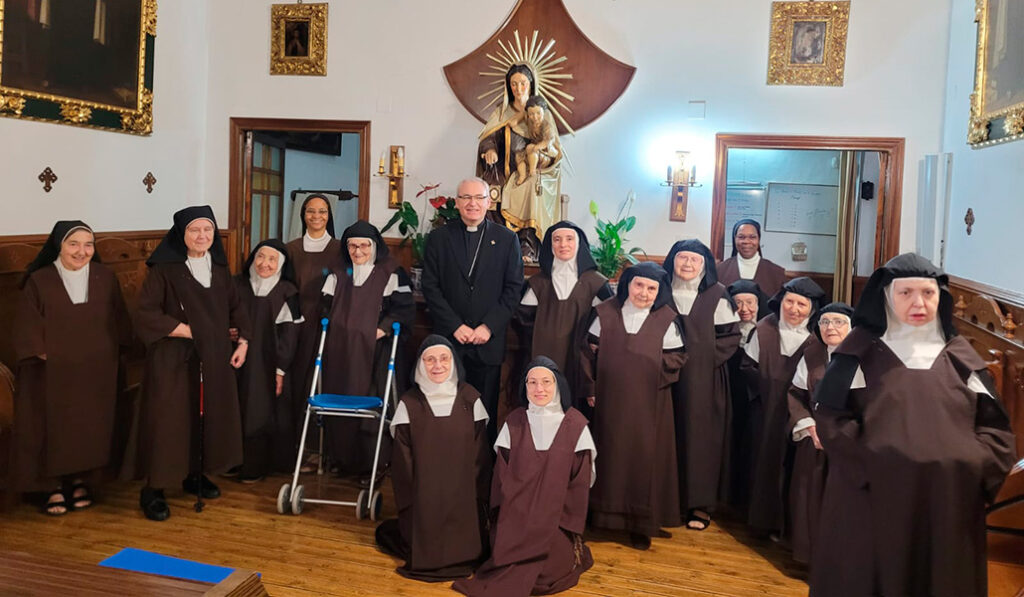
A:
[153,504]
[639,541]
[364,481]
[191,485]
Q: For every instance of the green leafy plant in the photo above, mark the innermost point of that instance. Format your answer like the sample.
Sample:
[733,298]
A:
[608,251]
[408,219]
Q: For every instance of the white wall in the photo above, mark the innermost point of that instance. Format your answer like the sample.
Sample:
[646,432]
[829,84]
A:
[385,60]
[100,173]
[987,180]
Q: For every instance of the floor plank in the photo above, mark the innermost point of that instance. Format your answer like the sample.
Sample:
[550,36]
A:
[326,551]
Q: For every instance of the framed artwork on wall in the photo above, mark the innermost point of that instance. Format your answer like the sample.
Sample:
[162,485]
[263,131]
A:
[298,39]
[997,104]
[86,63]
[807,44]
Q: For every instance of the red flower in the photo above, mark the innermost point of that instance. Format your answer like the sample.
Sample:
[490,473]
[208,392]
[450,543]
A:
[438,202]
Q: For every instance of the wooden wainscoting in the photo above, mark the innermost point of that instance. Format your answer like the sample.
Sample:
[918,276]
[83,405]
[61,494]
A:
[988,318]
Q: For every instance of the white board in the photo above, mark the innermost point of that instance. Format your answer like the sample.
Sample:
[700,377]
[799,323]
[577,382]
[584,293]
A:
[802,208]
[742,203]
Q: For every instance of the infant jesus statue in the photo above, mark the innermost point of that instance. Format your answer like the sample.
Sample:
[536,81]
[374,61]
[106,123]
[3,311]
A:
[540,147]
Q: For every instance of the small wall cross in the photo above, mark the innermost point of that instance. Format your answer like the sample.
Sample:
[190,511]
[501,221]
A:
[149,181]
[47,177]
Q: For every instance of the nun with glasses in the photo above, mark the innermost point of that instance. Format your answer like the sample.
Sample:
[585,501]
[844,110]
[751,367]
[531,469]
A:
[70,330]
[364,295]
[267,290]
[542,479]
[917,441]
[831,325]
[441,471]
[632,356]
[558,301]
[751,306]
[772,354]
[747,263]
[701,396]
[187,306]
[312,255]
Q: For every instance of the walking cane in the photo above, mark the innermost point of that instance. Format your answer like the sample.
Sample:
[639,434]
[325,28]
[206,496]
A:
[199,481]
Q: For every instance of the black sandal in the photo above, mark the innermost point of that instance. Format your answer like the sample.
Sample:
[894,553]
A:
[693,518]
[62,503]
[80,502]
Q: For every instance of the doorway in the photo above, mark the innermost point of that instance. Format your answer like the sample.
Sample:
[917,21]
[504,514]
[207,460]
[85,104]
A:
[828,207]
[276,163]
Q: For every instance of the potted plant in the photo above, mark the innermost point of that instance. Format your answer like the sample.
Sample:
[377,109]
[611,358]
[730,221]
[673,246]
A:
[409,221]
[608,251]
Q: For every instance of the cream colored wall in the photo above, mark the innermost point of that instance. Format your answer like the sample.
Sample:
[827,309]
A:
[100,173]
[384,64]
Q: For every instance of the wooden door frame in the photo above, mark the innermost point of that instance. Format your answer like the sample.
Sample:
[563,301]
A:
[890,184]
[236,182]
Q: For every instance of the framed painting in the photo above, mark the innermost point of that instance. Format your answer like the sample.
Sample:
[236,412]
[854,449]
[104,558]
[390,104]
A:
[87,63]
[807,44]
[298,39]
[997,104]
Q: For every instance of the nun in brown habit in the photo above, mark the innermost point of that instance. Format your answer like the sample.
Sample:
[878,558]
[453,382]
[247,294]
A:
[186,306]
[701,396]
[267,290]
[440,470]
[542,479]
[70,329]
[751,306]
[558,301]
[367,292]
[831,324]
[772,354]
[633,355]
[917,443]
[747,263]
[312,255]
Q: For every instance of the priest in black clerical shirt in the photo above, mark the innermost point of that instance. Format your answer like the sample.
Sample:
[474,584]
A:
[472,280]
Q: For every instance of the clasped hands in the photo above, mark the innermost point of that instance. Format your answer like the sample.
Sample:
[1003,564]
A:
[183,330]
[467,335]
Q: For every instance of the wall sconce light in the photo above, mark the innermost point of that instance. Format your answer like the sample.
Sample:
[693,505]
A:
[393,170]
[681,175]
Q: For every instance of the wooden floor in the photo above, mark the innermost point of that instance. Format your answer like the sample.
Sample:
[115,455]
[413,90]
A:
[326,551]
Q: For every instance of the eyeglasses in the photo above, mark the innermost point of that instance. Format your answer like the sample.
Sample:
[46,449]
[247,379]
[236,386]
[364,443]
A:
[836,323]
[359,246]
[431,361]
[540,383]
[477,198]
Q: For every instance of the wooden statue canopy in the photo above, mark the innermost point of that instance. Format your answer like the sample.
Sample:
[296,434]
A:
[579,80]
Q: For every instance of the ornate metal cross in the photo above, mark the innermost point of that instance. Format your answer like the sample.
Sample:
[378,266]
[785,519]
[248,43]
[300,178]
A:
[149,181]
[47,177]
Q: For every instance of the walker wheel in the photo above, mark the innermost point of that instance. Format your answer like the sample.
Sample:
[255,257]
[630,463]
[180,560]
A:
[376,501]
[284,499]
[361,505]
[297,496]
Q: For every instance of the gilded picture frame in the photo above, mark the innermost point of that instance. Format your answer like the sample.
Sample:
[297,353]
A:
[298,39]
[997,104]
[81,64]
[807,43]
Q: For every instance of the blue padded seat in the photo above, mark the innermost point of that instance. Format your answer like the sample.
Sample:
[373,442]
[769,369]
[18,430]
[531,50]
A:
[342,402]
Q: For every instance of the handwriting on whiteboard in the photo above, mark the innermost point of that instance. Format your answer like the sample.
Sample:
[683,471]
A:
[806,208]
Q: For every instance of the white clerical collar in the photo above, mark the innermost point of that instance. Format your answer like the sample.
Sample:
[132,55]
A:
[564,277]
[791,336]
[917,346]
[315,245]
[633,317]
[748,267]
[76,282]
[201,269]
[684,292]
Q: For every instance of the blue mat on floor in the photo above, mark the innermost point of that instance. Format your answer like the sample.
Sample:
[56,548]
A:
[138,560]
